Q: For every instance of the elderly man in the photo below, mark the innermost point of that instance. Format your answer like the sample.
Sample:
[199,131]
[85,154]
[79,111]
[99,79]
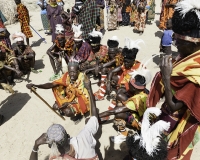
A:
[179,82]
[80,147]
[71,96]
[24,19]
[24,53]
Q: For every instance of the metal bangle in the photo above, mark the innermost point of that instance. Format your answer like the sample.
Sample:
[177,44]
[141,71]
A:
[35,151]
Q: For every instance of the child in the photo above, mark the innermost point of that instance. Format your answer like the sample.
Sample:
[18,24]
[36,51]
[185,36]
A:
[167,38]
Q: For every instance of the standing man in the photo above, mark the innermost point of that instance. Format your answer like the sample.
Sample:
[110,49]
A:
[24,19]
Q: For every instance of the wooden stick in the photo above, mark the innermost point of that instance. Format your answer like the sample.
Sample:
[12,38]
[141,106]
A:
[34,91]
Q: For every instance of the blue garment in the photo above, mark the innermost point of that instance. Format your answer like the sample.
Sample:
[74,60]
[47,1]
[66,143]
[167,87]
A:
[44,11]
[167,38]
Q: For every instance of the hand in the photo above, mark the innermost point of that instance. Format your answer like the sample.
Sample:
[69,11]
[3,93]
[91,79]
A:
[87,82]
[19,73]
[166,66]
[41,140]
[29,86]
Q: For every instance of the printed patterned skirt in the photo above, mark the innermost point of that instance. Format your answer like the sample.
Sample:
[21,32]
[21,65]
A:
[45,22]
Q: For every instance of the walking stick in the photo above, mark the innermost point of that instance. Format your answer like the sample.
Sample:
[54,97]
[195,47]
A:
[34,91]
[38,33]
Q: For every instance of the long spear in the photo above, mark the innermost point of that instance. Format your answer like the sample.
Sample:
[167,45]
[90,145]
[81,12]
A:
[38,34]
[34,91]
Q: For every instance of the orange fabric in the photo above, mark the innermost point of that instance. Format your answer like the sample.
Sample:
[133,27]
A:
[75,94]
[125,77]
[166,13]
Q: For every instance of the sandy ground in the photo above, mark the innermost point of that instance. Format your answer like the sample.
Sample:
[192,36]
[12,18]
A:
[27,117]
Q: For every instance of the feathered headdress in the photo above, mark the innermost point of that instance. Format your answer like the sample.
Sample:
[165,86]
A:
[188,5]
[77,32]
[142,71]
[95,37]
[59,29]
[151,133]
[113,42]
[130,44]
[18,36]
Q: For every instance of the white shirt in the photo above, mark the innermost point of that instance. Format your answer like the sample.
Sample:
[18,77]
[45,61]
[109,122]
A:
[84,143]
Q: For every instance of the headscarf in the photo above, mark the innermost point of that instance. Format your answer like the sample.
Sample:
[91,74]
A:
[57,133]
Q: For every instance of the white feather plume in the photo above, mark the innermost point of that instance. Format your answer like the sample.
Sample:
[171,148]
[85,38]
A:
[59,29]
[114,38]
[64,66]
[95,33]
[143,71]
[130,44]
[77,31]
[188,5]
[151,134]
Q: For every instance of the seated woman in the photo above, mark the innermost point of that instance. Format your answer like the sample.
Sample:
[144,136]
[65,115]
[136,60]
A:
[71,96]
[24,53]
[60,52]
[133,105]
[179,83]
[8,64]
[112,60]
[98,51]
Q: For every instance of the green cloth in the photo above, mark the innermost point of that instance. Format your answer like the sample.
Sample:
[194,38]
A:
[2,17]
[151,12]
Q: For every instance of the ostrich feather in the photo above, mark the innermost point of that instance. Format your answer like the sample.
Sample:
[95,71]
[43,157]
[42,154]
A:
[151,134]
[59,29]
[188,5]
[130,44]
[114,38]
[77,31]
[95,33]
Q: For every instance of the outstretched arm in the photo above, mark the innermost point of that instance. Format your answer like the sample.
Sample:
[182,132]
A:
[42,86]
[93,107]
[114,111]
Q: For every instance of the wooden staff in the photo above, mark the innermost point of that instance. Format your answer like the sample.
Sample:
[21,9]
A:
[34,91]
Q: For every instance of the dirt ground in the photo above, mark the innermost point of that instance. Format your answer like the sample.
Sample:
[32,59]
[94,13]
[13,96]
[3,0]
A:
[27,117]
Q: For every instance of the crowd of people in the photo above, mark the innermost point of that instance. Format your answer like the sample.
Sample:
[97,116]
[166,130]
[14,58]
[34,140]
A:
[77,54]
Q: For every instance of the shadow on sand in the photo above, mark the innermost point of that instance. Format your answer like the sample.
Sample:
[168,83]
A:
[13,104]
[38,42]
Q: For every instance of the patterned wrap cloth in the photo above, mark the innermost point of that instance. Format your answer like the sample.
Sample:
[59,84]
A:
[112,15]
[185,83]
[24,19]
[166,12]
[87,17]
[75,93]
[91,60]
[137,104]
